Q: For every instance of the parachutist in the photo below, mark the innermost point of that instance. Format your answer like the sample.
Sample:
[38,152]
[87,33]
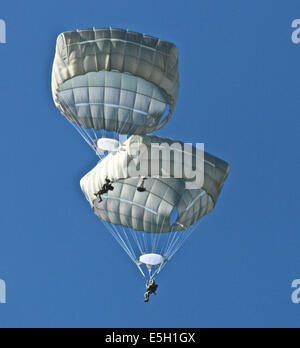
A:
[104,189]
[151,287]
[141,187]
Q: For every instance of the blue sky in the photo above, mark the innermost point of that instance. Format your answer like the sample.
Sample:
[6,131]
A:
[239,73]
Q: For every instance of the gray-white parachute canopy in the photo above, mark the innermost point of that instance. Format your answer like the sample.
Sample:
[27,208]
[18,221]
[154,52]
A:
[113,81]
[180,185]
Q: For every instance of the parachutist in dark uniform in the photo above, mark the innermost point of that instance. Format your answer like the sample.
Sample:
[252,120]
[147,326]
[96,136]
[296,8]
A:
[141,187]
[104,189]
[151,289]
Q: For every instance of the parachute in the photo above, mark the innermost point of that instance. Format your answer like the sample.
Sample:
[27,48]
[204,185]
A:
[153,224]
[108,82]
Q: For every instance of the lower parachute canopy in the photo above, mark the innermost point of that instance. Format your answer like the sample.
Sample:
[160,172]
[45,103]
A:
[152,224]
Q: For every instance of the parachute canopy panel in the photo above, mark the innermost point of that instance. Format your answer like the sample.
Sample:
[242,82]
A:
[112,101]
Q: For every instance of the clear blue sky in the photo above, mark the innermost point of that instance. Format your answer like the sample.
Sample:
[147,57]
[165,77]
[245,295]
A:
[239,95]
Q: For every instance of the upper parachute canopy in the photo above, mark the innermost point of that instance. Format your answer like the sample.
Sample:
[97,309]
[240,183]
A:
[115,80]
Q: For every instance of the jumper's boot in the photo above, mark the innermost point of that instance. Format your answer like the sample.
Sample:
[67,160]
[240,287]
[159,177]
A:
[141,185]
